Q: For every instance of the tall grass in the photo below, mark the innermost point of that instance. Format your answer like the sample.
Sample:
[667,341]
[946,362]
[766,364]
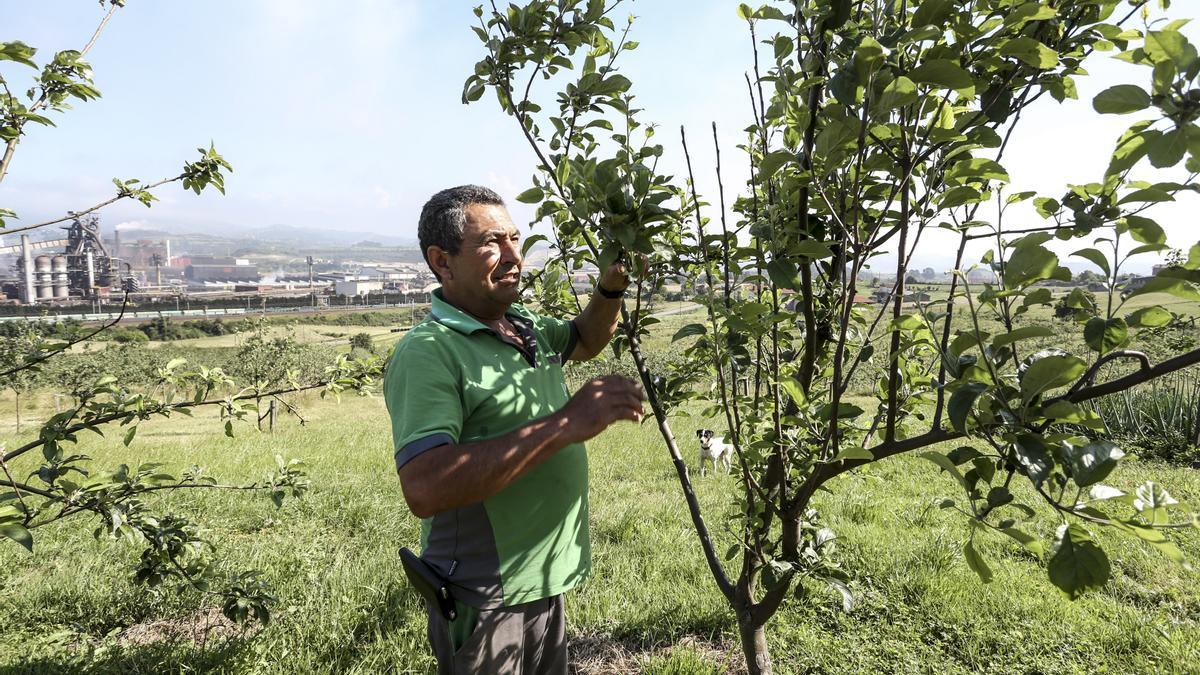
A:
[1160,419]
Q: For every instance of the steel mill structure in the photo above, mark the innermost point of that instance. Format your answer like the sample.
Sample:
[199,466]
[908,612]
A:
[81,268]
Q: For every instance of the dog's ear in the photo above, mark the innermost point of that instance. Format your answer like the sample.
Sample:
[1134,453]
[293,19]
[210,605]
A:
[699,433]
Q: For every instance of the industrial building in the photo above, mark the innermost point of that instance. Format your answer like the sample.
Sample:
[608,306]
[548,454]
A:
[81,269]
[203,268]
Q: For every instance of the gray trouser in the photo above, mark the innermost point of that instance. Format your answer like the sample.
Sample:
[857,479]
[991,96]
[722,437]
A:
[528,639]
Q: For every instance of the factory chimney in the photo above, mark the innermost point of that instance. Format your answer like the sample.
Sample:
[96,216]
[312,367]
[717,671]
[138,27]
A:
[27,260]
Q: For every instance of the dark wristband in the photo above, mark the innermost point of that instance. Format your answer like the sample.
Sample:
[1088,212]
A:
[611,295]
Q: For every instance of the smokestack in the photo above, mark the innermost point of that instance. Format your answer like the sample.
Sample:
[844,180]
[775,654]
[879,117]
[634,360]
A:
[116,242]
[168,253]
[27,257]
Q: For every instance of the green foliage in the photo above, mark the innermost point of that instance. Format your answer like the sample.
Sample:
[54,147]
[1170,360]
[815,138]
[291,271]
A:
[858,102]
[362,342]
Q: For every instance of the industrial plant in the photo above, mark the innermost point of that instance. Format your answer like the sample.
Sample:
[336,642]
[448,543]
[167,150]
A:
[86,268]
[81,269]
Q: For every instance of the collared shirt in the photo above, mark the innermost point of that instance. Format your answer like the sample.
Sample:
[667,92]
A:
[452,379]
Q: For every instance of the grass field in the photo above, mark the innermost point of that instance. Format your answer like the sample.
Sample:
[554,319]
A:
[649,605]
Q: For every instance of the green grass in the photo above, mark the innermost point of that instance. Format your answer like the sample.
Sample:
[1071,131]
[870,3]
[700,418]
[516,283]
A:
[649,605]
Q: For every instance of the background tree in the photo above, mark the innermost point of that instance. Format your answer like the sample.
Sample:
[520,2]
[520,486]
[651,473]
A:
[16,348]
[872,123]
[64,484]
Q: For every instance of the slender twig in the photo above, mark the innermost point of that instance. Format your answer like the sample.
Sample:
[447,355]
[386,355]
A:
[75,214]
[14,484]
[160,409]
[59,350]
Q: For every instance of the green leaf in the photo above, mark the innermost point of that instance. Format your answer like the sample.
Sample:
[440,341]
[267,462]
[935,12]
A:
[1152,501]
[794,391]
[1050,372]
[841,587]
[1104,335]
[688,331]
[1046,206]
[963,454]
[19,534]
[867,57]
[1097,257]
[1065,411]
[613,84]
[811,248]
[772,162]
[744,11]
[531,196]
[1077,563]
[834,135]
[1156,539]
[1147,196]
[1149,317]
[1032,263]
[943,73]
[1167,149]
[1145,230]
[130,434]
[1121,99]
[1170,45]
[946,465]
[1093,462]
[1180,288]
[976,562]
[783,273]
[932,13]
[977,168]
[1131,148]
[1031,544]
[958,196]
[961,402]
[18,51]
[1031,454]
[1018,334]
[899,93]
[844,410]
[1031,52]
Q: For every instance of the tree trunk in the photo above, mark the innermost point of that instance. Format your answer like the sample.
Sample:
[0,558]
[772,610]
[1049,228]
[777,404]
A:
[754,646]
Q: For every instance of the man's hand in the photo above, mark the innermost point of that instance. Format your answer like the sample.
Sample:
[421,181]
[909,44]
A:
[599,403]
[615,278]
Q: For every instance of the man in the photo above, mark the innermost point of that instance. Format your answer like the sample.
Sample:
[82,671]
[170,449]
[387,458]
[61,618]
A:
[489,444]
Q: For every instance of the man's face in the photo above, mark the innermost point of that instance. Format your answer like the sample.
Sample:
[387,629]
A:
[487,270]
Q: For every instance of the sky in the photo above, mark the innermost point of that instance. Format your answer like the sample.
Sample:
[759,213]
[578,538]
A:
[348,115]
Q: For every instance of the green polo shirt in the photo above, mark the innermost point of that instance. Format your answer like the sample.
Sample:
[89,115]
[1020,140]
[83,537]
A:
[452,379]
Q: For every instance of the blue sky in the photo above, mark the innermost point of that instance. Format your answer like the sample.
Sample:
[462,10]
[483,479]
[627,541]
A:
[347,114]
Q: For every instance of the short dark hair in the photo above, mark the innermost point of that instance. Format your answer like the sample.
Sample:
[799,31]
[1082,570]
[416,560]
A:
[444,216]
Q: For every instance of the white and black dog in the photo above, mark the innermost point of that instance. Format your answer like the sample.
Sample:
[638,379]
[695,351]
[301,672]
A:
[714,449]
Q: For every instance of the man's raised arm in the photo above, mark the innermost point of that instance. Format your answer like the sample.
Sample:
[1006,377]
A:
[598,321]
[457,474]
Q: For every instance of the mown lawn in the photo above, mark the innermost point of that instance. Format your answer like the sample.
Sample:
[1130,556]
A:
[649,606]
